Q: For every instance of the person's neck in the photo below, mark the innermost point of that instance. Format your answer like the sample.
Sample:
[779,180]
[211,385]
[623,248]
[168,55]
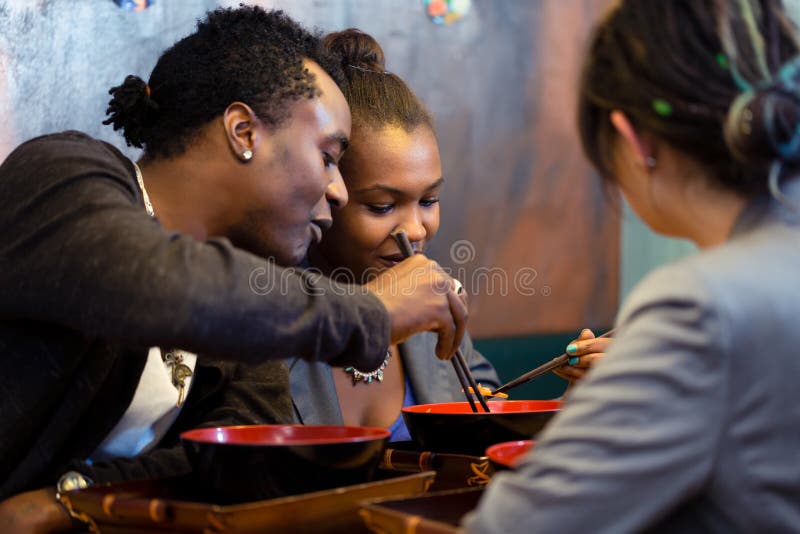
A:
[709,214]
[182,194]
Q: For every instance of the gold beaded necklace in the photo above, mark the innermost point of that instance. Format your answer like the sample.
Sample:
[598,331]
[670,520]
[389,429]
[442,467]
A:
[173,359]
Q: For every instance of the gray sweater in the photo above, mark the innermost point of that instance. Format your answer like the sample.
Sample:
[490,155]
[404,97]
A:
[88,281]
[692,421]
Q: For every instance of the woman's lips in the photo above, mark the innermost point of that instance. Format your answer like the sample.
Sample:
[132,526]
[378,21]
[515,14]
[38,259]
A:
[393,259]
[389,262]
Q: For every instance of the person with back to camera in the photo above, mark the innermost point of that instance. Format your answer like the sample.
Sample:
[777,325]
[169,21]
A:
[690,422]
[121,281]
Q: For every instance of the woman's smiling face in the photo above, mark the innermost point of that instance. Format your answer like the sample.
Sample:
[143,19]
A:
[393,178]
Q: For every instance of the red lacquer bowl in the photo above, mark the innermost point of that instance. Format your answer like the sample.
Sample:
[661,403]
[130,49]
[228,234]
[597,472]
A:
[506,455]
[247,463]
[452,427]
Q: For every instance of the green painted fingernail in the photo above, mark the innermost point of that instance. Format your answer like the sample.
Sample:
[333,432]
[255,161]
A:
[573,360]
[572,348]
[723,62]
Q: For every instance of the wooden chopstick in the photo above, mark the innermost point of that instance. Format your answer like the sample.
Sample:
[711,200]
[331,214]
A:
[458,361]
[543,369]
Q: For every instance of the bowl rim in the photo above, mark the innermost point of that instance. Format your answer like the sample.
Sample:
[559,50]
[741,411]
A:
[491,450]
[198,435]
[421,408]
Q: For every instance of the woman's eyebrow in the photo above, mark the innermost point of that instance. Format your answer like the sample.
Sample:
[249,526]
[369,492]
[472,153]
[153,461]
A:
[380,187]
[435,184]
[394,190]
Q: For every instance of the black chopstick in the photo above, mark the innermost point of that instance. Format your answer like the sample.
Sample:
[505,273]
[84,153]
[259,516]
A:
[464,386]
[458,360]
[543,369]
[459,364]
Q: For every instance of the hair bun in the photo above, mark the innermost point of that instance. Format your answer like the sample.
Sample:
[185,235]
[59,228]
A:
[763,124]
[356,48]
[132,110]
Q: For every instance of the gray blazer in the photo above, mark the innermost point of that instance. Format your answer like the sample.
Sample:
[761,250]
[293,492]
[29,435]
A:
[692,421]
[432,380]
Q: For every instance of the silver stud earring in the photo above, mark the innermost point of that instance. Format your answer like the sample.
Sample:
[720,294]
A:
[247,155]
[650,162]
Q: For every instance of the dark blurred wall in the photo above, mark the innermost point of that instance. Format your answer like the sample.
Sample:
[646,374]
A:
[525,225]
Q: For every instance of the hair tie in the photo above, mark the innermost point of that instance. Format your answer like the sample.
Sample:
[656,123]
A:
[147,90]
[775,172]
[362,69]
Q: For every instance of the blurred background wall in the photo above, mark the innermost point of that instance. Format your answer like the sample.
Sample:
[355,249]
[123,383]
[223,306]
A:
[542,248]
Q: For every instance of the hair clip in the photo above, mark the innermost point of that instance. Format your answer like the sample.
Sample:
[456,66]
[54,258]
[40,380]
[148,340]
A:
[368,70]
[723,61]
[662,107]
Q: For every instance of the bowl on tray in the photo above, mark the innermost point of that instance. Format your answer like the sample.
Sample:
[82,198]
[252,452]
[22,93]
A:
[506,455]
[247,463]
[453,427]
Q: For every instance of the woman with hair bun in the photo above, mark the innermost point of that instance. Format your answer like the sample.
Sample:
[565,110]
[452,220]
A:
[393,174]
[690,423]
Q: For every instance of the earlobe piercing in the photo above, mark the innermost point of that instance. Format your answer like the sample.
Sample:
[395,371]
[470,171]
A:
[651,162]
[247,155]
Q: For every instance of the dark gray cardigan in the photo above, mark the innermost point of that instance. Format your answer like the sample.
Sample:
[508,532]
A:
[88,281]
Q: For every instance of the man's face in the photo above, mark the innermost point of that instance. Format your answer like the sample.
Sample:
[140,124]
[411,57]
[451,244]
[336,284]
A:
[288,187]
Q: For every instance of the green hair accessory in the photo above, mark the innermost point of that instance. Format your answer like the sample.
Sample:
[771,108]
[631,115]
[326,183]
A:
[662,107]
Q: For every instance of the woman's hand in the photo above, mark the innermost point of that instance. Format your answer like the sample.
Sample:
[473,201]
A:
[34,512]
[584,352]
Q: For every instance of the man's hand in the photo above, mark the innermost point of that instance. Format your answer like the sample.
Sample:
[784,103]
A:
[421,297]
[34,512]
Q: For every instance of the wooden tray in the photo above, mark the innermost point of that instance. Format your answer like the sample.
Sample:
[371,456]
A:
[453,471]
[432,513]
[162,506]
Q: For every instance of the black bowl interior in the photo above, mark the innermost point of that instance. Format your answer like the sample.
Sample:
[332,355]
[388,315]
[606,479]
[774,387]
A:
[452,427]
[247,463]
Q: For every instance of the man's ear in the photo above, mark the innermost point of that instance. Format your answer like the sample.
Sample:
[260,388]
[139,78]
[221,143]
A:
[241,130]
[642,149]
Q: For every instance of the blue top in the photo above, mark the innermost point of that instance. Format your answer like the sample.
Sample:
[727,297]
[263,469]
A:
[399,429]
